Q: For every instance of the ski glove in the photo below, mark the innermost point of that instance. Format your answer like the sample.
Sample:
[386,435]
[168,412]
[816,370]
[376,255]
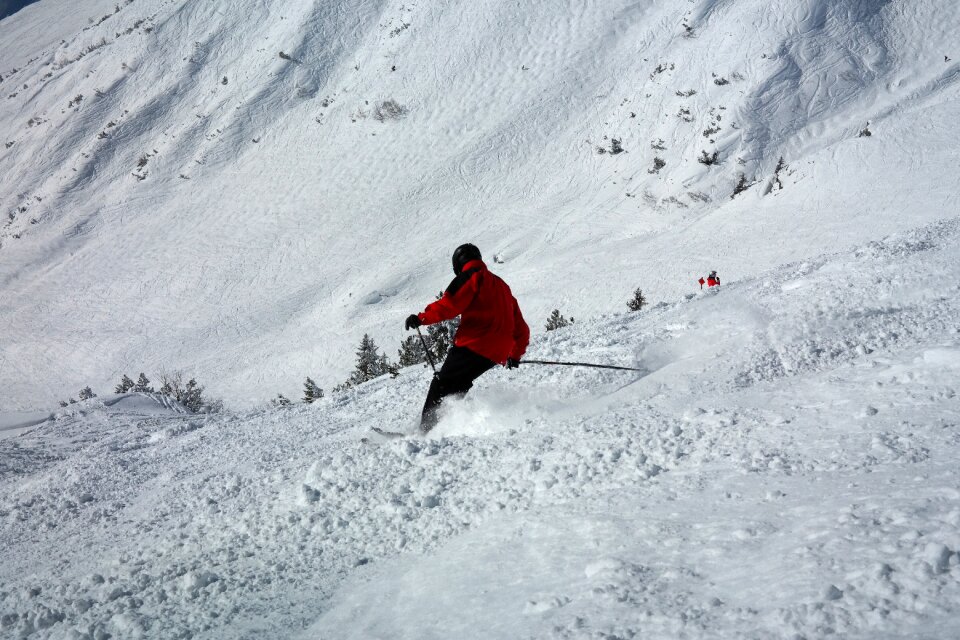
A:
[512,363]
[412,322]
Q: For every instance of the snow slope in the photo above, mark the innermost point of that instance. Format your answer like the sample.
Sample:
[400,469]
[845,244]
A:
[786,466]
[179,195]
[287,205]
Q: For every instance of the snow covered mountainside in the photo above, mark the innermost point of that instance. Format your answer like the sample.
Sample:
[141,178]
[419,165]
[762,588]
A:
[242,189]
[786,466]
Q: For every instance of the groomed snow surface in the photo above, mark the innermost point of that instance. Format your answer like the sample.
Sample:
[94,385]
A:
[786,466]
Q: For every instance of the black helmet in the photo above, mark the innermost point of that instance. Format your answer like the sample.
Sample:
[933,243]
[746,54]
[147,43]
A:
[464,254]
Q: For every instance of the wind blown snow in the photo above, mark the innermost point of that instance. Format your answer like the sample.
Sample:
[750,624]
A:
[177,194]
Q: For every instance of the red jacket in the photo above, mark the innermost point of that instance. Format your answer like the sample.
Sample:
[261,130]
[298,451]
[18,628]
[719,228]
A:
[491,324]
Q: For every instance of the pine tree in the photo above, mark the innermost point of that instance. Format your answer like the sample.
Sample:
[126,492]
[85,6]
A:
[440,338]
[411,352]
[125,385]
[143,385]
[557,321]
[86,393]
[370,364]
[311,392]
[637,302]
[192,396]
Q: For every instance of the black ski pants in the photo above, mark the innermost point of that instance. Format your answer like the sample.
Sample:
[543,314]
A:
[456,376]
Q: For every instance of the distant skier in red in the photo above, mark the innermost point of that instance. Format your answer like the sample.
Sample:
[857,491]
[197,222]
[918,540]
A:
[492,329]
[713,280]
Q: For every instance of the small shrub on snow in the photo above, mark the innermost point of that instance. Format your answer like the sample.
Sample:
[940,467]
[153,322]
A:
[742,185]
[281,401]
[126,384]
[389,110]
[637,302]
[708,159]
[776,184]
[557,321]
[86,393]
[311,392]
[615,147]
[189,394]
[143,385]
[658,163]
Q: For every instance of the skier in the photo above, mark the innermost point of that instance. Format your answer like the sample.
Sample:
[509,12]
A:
[492,330]
[713,280]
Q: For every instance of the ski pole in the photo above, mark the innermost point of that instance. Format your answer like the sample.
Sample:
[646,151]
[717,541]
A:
[427,352]
[581,364]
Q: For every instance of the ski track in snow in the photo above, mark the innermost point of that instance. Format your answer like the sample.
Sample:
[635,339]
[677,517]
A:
[785,467]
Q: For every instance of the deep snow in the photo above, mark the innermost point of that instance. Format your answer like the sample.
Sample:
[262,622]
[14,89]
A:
[785,466]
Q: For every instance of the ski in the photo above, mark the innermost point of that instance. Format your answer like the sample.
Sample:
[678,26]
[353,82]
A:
[389,435]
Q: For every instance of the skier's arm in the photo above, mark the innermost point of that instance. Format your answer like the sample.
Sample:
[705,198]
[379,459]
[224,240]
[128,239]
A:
[455,299]
[521,333]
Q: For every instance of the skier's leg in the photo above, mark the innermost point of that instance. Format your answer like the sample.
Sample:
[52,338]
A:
[431,406]
[456,376]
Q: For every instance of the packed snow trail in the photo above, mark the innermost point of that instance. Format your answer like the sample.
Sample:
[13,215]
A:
[786,467]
